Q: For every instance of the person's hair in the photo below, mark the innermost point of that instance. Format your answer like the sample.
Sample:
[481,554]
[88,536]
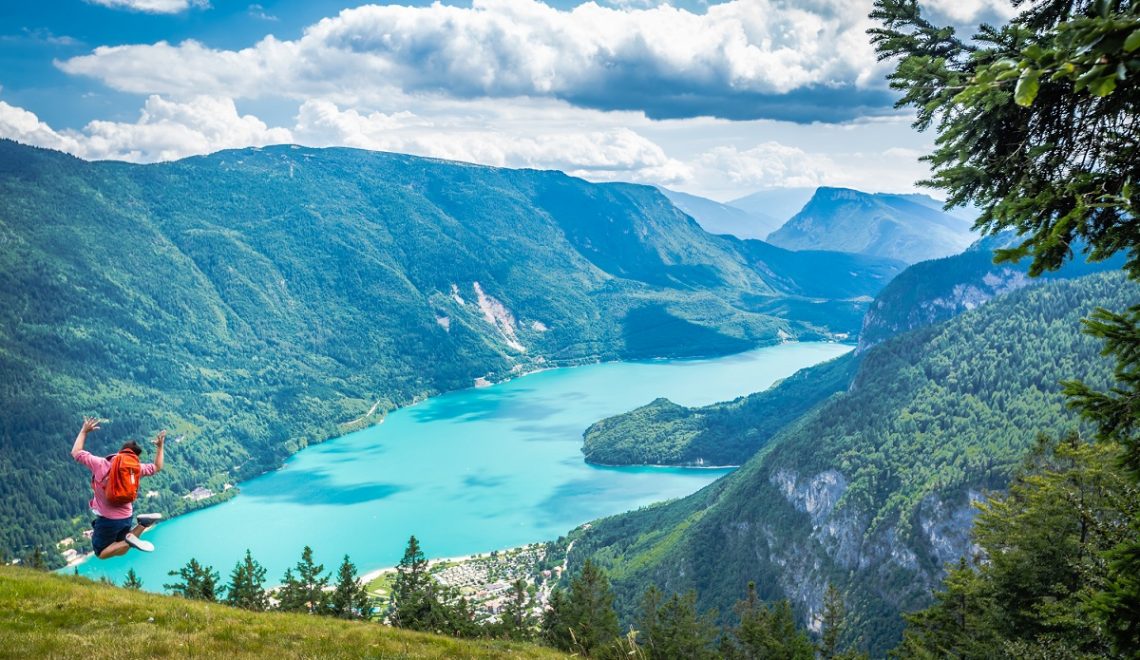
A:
[133,446]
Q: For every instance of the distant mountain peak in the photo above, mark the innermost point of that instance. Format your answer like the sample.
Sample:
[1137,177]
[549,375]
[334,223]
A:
[907,227]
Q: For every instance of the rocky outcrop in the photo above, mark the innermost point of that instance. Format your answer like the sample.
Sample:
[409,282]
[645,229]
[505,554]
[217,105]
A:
[841,541]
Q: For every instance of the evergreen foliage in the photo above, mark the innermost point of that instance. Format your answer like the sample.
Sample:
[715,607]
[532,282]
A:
[517,620]
[350,599]
[675,629]
[767,630]
[1036,120]
[1034,588]
[198,582]
[132,580]
[583,619]
[303,587]
[418,602]
[247,585]
[1037,123]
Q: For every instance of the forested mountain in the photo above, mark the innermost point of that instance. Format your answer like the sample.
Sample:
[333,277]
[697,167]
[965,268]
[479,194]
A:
[262,299]
[664,433]
[894,226]
[872,490]
[717,218]
[939,289]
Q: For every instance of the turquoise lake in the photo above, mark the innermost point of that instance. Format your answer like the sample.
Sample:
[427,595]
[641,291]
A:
[466,472]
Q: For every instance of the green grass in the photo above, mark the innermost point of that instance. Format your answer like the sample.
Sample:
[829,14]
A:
[43,615]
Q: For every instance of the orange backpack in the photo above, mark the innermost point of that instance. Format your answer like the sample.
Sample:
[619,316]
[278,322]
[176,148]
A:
[122,482]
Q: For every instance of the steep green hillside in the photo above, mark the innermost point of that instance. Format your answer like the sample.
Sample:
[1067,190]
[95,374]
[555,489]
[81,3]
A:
[262,299]
[871,490]
[939,289]
[892,226]
[44,615]
[665,433]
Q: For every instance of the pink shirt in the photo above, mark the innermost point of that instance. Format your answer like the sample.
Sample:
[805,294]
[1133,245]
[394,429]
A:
[99,467]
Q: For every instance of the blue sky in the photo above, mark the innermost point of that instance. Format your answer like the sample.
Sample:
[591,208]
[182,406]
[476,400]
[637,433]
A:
[718,99]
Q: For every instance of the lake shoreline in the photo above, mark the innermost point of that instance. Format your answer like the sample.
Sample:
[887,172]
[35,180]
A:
[505,468]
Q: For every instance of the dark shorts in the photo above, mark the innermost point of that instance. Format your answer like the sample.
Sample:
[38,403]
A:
[108,530]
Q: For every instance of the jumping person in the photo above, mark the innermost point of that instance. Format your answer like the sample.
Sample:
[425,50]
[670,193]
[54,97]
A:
[115,483]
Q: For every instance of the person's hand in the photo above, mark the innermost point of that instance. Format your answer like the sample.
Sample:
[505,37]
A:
[161,438]
[90,424]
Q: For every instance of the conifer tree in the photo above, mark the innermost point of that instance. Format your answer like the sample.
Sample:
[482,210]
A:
[584,621]
[769,631]
[832,622]
[198,582]
[132,580]
[247,585]
[36,560]
[518,621]
[674,628]
[350,598]
[304,591]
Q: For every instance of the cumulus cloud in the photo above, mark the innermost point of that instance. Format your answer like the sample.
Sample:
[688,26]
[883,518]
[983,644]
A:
[770,165]
[604,154]
[738,59]
[165,130]
[152,6]
[24,126]
[168,130]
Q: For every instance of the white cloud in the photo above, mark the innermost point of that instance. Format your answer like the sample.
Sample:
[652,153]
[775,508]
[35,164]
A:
[770,165]
[661,59]
[23,126]
[153,6]
[165,130]
[603,154]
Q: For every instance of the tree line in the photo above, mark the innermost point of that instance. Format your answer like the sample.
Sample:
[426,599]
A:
[579,618]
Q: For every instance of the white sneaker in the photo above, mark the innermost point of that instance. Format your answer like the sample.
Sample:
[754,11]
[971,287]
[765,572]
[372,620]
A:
[148,519]
[139,544]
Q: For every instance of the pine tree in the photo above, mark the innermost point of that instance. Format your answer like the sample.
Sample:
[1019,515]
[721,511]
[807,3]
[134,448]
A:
[674,629]
[350,598]
[409,604]
[305,590]
[198,582]
[832,623]
[247,585]
[36,561]
[132,580]
[419,602]
[769,631]
[584,621]
[517,620]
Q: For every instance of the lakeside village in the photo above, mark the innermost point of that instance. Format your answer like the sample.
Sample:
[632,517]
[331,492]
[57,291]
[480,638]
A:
[485,579]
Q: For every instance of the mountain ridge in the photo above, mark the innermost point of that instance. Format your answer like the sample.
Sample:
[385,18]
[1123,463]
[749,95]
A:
[886,225]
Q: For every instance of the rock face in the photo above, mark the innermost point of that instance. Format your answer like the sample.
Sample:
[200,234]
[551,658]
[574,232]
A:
[842,538]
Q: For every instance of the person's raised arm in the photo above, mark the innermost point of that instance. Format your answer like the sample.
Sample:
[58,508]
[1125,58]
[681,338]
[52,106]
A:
[159,442]
[89,424]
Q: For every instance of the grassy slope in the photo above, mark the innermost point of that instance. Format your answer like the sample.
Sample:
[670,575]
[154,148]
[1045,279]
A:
[46,615]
